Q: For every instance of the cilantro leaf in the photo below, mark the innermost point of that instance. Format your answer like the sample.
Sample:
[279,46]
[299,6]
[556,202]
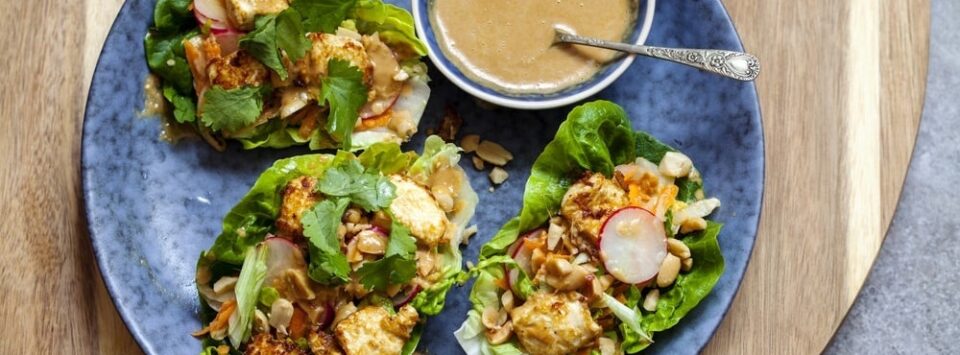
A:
[344,93]
[328,264]
[366,188]
[184,108]
[323,15]
[398,264]
[401,243]
[231,109]
[273,33]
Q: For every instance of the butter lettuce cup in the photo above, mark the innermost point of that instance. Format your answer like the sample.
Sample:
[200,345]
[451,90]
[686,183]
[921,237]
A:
[612,245]
[337,253]
[277,73]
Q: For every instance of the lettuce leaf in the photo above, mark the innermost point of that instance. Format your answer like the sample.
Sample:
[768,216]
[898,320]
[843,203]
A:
[166,59]
[323,15]
[173,15]
[394,24]
[253,217]
[387,158]
[248,286]
[596,137]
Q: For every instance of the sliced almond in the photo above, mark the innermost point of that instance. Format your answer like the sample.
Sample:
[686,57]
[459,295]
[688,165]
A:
[494,153]
[477,163]
[469,143]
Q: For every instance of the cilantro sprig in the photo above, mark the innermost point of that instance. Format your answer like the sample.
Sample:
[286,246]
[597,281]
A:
[398,264]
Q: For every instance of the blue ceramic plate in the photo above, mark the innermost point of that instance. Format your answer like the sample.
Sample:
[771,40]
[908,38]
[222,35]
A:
[152,206]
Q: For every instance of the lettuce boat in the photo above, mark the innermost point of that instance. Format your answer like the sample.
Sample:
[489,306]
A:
[612,245]
[276,73]
[337,253]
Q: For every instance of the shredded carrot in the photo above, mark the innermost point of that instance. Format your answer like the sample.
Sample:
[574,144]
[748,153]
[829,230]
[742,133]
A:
[376,121]
[221,320]
[298,323]
[502,283]
[223,350]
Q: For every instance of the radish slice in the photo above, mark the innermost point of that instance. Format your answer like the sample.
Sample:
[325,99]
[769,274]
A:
[229,40]
[328,314]
[378,107]
[212,11]
[282,255]
[633,244]
[520,254]
[403,299]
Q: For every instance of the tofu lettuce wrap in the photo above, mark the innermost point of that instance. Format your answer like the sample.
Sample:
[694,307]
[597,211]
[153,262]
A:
[337,254]
[612,245]
[276,73]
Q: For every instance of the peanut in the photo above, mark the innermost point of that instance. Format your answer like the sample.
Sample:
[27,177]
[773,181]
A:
[678,248]
[668,271]
[650,301]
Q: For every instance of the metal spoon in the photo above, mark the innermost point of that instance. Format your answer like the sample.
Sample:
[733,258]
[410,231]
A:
[736,65]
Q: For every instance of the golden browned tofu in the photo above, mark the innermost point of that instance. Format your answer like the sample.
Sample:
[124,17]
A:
[415,208]
[322,343]
[313,67]
[298,196]
[372,330]
[235,70]
[266,344]
[554,324]
[589,201]
[242,13]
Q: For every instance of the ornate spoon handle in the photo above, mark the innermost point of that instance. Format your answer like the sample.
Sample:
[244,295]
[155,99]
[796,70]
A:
[736,65]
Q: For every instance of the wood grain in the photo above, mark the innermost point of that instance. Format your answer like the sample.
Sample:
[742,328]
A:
[841,93]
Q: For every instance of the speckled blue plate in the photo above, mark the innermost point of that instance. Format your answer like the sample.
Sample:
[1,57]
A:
[152,206]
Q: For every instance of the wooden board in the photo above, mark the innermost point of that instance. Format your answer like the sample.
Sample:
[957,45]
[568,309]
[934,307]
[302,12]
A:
[841,93]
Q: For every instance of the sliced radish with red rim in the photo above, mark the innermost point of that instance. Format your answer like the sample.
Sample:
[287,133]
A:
[633,244]
[211,11]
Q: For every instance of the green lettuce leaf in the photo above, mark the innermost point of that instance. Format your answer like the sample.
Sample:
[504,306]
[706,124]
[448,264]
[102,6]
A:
[231,109]
[166,59]
[323,15]
[434,149]
[344,93]
[173,15]
[328,264]
[387,158]
[596,137]
[394,24]
[273,33]
[248,286]
[411,345]
[253,217]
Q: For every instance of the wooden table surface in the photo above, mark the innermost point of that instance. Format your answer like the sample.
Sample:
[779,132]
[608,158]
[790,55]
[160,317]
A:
[841,92]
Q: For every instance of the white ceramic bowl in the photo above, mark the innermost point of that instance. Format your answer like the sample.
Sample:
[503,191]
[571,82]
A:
[606,76]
